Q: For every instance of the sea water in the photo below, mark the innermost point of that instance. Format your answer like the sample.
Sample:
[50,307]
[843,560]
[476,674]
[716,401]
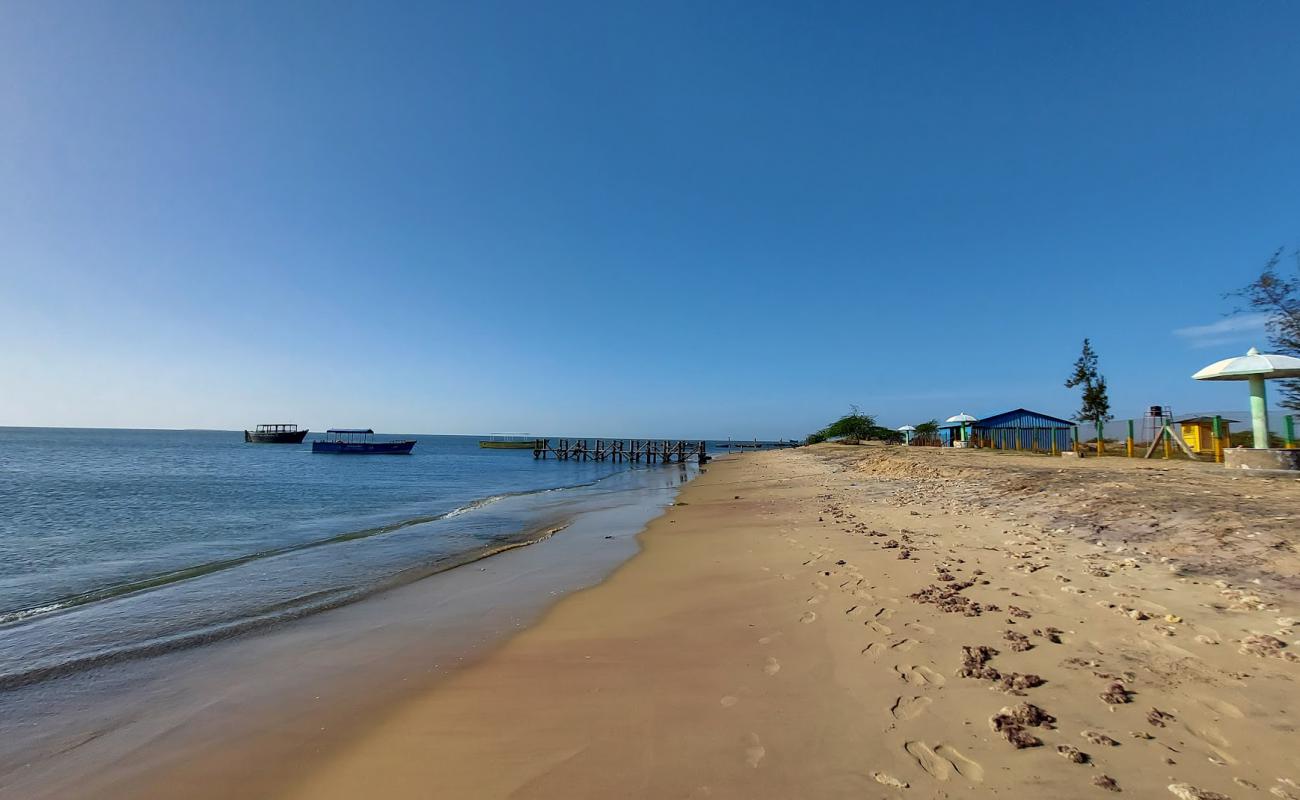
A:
[117,544]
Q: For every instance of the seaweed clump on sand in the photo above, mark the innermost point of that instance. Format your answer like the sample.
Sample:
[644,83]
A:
[974,662]
[950,598]
[1106,782]
[1011,723]
[1073,754]
[1266,646]
[1116,694]
[1019,641]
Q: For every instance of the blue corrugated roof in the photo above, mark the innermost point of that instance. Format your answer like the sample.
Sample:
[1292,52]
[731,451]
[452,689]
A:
[1006,416]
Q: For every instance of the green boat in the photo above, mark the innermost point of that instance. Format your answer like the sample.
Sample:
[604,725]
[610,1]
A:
[509,441]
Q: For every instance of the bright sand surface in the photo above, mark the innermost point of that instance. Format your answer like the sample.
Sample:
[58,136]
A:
[771,641]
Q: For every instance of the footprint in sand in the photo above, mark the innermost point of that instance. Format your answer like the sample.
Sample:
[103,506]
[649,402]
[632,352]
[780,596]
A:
[808,616]
[928,760]
[884,614]
[854,611]
[874,650]
[754,750]
[968,769]
[769,638]
[920,628]
[1215,739]
[919,675]
[772,666]
[1221,707]
[909,707]
[943,761]
[729,701]
[904,645]
[883,630]
[816,599]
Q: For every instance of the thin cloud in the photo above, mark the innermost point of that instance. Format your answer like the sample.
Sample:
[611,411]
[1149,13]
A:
[1238,328]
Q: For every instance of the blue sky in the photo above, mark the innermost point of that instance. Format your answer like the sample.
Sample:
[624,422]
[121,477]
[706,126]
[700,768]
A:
[682,219]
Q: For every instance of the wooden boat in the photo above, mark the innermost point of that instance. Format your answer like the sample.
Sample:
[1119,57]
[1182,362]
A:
[358,441]
[276,433]
[509,441]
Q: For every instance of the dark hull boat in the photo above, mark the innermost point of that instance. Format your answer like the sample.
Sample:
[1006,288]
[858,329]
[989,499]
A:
[357,441]
[276,434]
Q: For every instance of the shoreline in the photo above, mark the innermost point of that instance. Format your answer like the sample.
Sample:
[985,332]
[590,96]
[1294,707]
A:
[772,640]
[117,728]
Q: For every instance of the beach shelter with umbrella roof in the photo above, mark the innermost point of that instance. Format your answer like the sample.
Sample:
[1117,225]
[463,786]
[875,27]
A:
[1254,368]
[907,431]
[961,423]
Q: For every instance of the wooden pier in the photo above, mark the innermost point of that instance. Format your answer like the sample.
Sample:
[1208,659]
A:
[650,451]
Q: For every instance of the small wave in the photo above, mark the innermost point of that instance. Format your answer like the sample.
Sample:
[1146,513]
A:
[265,617]
[113,591]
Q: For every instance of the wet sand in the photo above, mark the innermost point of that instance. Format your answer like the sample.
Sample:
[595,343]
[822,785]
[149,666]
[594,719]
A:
[880,622]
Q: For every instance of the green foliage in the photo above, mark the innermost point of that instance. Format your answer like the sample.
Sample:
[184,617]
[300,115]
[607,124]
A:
[926,432]
[1278,296]
[855,427]
[1096,404]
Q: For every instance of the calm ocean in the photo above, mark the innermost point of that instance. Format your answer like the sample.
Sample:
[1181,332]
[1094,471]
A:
[121,543]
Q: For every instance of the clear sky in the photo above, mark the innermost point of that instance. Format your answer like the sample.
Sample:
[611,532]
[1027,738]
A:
[667,218]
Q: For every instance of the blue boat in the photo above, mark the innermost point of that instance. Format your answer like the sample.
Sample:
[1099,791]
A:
[358,441]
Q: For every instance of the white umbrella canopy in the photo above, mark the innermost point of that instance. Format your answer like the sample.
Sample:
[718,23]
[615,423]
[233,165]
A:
[964,419]
[1254,362]
[1255,367]
[906,428]
[907,431]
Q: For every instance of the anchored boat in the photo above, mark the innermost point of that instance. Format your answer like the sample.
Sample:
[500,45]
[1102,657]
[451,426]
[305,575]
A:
[359,441]
[509,441]
[276,433]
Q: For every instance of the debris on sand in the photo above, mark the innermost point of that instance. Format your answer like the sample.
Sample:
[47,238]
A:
[1265,645]
[950,598]
[1018,612]
[1186,791]
[891,544]
[974,662]
[1052,635]
[1116,694]
[889,780]
[1012,721]
[1097,737]
[904,554]
[1019,641]
[1015,682]
[1073,754]
[1158,718]
[1140,735]
[1106,782]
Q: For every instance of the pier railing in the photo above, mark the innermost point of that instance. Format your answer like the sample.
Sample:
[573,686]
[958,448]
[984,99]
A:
[649,451]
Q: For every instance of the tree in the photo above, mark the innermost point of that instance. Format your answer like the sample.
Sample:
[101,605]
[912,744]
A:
[1096,405]
[854,427]
[1278,296]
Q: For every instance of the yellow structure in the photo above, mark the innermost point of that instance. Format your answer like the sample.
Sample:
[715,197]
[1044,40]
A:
[1198,433]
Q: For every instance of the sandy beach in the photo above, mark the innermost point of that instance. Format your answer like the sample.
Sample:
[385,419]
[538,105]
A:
[879,622]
